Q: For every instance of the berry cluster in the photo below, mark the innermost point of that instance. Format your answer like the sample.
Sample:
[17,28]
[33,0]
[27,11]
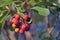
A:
[22,26]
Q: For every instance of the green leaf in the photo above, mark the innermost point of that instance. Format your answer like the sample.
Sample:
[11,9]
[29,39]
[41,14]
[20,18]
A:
[41,11]
[20,11]
[3,21]
[47,38]
[0,26]
[7,2]
[46,4]
[22,4]
[41,34]
[37,1]
[32,2]
[3,13]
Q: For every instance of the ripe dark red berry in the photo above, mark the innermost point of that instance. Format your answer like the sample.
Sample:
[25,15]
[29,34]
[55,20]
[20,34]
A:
[18,25]
[27,27]
[21,32]
[17,17]
[23,26]
[25,17]
[11,22]
[16,22]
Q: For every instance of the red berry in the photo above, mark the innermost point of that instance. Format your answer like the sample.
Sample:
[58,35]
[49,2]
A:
[25,17]
[18,25]
[23,26]
[16,22]
[27,27]
[27,24]
[21,32]
[12,20]
[17,17]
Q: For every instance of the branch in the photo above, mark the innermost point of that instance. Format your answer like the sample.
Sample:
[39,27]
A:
[28,35]
[10,34]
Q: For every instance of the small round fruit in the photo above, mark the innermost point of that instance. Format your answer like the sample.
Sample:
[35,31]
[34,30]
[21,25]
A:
[25,17]
[23,26]
[17,17]
[18,25]
[16,22]
[27,27]
[16,29]
[21,32]
[11,22]
[13,25]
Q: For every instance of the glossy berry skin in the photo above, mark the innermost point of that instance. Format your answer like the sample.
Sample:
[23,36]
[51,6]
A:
[11,22]
[25,27]
[21,32]
[25,17]
[17,17]
[16,29]
[16,22]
